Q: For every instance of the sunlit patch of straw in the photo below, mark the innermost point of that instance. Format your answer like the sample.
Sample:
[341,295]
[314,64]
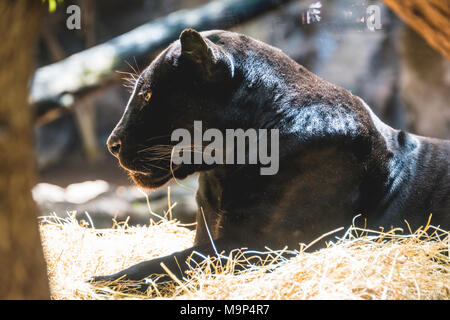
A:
[363,264]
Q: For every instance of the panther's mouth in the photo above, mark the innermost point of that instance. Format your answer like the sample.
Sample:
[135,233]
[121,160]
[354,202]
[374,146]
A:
[150,177]
[151,171]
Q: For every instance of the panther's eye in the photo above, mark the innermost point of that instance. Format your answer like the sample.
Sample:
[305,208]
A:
[147,96]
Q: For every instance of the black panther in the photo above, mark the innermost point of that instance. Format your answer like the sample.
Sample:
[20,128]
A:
[337,159]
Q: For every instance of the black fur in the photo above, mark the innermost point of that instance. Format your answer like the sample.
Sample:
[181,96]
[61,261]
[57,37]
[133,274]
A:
[337,159]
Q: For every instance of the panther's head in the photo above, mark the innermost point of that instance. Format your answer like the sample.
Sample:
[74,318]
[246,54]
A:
[191,80]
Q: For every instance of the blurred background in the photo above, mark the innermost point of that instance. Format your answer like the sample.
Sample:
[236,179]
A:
[367,50]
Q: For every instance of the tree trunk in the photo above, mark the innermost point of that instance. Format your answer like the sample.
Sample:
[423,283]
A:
[23,273]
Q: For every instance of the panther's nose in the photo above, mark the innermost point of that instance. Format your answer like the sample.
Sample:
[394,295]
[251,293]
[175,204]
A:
[114,145]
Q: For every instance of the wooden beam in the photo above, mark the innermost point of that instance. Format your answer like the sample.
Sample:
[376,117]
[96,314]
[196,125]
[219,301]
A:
[65,82]
[429,18]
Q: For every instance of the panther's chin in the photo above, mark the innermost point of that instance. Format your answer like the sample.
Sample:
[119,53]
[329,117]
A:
[149,181]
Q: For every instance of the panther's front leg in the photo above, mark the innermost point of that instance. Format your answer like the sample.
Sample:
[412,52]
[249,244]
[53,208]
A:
[177,263]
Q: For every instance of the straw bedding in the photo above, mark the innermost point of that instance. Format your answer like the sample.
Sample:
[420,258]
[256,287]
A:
[360,265]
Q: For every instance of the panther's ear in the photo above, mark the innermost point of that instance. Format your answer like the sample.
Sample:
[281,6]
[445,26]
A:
[193,46]
[204,58]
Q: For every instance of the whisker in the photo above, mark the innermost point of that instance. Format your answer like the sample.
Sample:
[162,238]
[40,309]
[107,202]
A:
[158,146]
[155,148]
[155,166]
[162,152]
[134,70]
[162,136]
[137,66]
[127,73]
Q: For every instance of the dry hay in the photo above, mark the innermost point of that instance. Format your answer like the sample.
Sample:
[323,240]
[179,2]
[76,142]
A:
[361,265]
